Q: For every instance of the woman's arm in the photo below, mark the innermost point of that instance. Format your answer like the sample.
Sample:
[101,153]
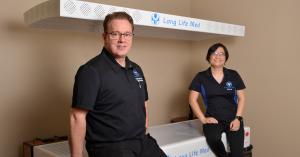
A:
[241,102]
[193,97]
[235,124]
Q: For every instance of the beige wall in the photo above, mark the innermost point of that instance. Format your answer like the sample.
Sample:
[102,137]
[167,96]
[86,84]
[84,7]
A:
[38,67]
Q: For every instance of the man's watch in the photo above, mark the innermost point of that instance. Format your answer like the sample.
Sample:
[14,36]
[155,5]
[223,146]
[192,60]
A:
[240,118]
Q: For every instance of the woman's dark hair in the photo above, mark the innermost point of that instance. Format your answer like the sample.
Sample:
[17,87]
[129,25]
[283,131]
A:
[213,48]
[117,15]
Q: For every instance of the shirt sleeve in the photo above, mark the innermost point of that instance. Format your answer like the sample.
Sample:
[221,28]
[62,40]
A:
[195,84]
[86,87]
[239,81]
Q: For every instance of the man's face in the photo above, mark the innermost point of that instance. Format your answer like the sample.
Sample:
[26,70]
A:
[118,38]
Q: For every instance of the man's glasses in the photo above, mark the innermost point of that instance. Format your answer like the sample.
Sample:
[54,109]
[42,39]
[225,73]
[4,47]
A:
[117,35]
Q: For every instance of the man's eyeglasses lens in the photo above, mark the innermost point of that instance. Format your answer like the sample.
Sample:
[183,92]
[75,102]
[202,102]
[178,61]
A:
[117,35]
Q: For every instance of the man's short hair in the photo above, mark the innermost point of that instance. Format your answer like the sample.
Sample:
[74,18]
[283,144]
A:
[117,15]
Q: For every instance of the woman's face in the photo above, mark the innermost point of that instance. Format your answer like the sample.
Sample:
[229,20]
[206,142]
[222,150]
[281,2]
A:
[218,59]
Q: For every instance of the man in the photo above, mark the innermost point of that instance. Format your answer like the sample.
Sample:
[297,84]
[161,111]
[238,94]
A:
[110,98]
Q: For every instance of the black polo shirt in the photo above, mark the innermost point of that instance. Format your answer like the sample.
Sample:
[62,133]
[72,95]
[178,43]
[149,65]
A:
[221,99]
[115,97]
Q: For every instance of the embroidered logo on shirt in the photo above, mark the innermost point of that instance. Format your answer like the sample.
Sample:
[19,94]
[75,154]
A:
[229,85]
[136,73]
[137,77]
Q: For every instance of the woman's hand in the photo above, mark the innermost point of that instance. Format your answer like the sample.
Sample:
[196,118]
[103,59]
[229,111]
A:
[209,120]
[235,125]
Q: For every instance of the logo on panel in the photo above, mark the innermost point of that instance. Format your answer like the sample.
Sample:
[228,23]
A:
[155,18]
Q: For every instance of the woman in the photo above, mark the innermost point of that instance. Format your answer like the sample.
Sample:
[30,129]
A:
[222,92]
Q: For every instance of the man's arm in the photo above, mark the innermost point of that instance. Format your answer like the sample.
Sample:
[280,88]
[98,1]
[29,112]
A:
[147,119]
[77,131]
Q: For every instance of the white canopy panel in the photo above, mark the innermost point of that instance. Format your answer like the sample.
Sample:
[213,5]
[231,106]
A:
[88,16]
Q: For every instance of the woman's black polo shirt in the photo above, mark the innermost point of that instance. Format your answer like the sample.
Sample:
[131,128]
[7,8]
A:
[221,99]
[115,97]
